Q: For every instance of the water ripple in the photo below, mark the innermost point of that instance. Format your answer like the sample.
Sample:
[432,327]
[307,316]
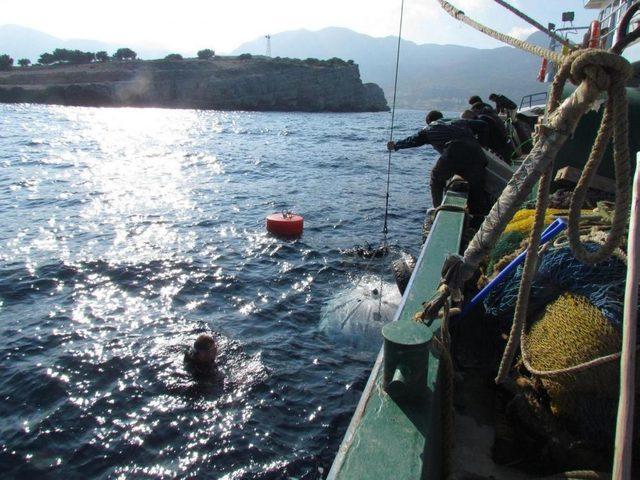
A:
[128,232]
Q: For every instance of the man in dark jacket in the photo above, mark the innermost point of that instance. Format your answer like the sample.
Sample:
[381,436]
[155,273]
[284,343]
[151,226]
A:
[494,136]
[478,106]
[503,104]
[460,154]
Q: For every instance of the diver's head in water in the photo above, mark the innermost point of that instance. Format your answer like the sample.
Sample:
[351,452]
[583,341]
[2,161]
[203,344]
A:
[202,356]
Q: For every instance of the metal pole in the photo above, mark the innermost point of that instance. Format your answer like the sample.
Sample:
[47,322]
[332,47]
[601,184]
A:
[624,425]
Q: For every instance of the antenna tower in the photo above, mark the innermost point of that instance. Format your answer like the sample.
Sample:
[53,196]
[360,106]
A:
[268,37]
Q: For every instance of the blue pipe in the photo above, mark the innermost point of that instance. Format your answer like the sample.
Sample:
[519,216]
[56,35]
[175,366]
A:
[551,231]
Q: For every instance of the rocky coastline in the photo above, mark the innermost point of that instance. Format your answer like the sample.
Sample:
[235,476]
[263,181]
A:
[219,83]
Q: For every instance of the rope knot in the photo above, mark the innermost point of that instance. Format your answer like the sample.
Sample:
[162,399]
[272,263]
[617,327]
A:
[601,67]
[455,272]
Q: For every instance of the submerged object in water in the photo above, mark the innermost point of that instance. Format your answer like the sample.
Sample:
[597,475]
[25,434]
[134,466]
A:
[286,224]
[402,271]
[356,314]
[367,251]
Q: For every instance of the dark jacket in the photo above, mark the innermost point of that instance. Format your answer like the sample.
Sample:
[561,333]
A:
[482,108]
[439,133]
[503,104]
[460,154]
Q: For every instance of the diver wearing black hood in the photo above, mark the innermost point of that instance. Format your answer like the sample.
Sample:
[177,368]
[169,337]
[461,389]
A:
[460,154]
[201,358]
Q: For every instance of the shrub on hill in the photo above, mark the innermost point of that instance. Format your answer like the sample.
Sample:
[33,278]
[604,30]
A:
[102,56]
[6,62]
[206,54]
[72,56]
[336,61]
[173,56]
[245,56]
[24,62]
[46,59]
[125,54]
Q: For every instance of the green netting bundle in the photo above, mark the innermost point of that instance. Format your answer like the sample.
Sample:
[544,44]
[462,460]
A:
[568,332]
[505,247]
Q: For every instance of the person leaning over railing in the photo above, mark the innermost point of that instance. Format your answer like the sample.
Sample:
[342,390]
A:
[460,154]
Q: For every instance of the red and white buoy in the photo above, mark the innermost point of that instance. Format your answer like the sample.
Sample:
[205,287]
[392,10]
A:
[285,224]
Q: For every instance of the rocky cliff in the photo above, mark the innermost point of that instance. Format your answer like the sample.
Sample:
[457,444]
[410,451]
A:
[224,83]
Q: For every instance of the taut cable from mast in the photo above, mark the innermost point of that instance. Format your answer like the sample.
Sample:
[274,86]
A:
[536,24]
[514,42]
[385,228]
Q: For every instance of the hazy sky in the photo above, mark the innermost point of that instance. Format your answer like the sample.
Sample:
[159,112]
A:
[188,25]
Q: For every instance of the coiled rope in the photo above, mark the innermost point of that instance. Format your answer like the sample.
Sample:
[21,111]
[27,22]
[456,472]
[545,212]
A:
[604,72]
[594,71]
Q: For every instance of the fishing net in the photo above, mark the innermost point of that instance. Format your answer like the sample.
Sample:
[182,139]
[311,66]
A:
[567,332]
[559,271]
[522,221]
[511,242]
[355,315]
[508,244]
[576,313]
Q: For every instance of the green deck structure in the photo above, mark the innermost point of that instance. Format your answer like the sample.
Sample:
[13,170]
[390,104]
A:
[398,435]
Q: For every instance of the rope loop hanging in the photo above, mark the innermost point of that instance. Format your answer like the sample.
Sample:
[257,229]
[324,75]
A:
[605,72]
[595,72]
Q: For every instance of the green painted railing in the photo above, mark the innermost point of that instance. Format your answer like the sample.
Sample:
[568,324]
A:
[395,433]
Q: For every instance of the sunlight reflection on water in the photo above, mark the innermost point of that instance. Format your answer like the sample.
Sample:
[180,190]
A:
[127,232]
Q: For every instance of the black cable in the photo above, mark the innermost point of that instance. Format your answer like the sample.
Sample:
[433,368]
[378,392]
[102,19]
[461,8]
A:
[385,228]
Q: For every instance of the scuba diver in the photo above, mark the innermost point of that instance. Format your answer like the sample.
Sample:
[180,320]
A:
[460,154]
[201,358]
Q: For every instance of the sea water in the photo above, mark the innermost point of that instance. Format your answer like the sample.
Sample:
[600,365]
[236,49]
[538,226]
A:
[124,233]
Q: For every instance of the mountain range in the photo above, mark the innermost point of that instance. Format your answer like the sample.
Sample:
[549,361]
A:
[23,42]
[430,75]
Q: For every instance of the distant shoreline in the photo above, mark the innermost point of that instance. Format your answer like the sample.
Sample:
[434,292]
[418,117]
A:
[252,83]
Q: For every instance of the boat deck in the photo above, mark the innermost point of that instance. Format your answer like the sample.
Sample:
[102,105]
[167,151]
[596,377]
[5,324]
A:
[393,436]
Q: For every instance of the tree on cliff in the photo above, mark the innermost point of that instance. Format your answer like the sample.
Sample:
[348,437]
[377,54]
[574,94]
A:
[72,56]
[125,54]
[46,59]
[6,62]
[102,56]
[206,54]
[78,56]
[173,56]
[24,62]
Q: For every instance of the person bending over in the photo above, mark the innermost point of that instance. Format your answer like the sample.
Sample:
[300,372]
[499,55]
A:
[478,106]
[493,136]
[503,104]
[460,154]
